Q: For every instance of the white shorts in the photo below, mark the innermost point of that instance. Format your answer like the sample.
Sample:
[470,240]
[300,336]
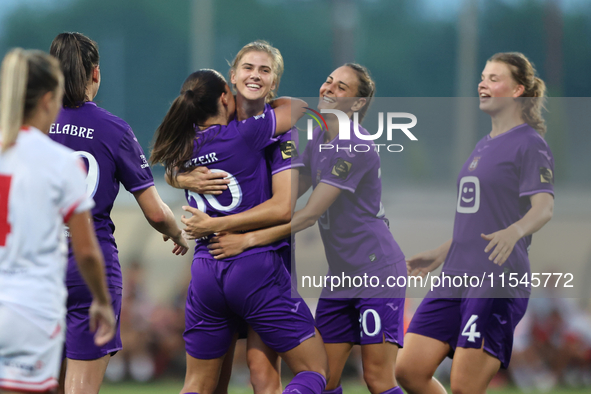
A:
[30,358]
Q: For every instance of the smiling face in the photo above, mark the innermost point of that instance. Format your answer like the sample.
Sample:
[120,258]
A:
[340,91]
[497,82]
[254,77]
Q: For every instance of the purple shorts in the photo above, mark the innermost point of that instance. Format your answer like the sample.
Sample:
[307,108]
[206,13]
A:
[254,288]
[79,344]
[466,322]
[361,321]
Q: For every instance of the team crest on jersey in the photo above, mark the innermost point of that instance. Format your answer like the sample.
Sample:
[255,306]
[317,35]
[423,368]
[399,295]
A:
[288,150]
[474,163]
[546,175]
[341,168]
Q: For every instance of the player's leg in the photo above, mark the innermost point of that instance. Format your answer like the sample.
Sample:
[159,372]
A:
[85,376]
[209,326]
[338,323]
[262,296]
[485,341]
[86,363]
[472,370]
[338,354]
[264,365]
[381,331]
[431,336]
[309,363]
[379,361]
[202,375]
[226,371]
[417,363]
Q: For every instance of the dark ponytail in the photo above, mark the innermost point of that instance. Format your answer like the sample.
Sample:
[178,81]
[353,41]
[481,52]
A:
[197,102]
[78,56]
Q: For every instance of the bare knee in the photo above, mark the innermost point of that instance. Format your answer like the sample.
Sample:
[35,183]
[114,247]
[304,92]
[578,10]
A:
[375,381]
[411,378]
[265,380]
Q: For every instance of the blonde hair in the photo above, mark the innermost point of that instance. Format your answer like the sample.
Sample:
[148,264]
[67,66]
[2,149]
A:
[524,73]
[276,61]
[26,76]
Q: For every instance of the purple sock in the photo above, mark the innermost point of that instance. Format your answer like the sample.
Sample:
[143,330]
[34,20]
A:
[338,390]
[306,382]
[394,390]
[192,392]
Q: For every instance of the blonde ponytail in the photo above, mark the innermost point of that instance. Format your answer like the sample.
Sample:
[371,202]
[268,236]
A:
[12,95]
[25,77]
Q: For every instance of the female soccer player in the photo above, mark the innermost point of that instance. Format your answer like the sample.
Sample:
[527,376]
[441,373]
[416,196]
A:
[505,194]
[254,286]
[113,155]
[346,204]
[41,187]
[255,74]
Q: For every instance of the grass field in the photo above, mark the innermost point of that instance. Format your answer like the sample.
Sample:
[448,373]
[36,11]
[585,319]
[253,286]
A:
[350,388]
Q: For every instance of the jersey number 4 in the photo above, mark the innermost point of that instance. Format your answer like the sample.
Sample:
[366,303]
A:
[470,329]
[4,194]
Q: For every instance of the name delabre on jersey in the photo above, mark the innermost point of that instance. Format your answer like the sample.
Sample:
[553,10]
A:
[71,129]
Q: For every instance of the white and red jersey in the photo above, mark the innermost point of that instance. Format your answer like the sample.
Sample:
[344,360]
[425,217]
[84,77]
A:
[42,183]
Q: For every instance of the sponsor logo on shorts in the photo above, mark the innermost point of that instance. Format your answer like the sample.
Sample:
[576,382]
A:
[30,368]
[297,305]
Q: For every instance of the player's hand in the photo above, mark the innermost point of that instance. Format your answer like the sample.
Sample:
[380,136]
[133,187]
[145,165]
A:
[226,245]
[201,180]
[199,225]
[422,263]
[102,322]
[503,242]
[180,243]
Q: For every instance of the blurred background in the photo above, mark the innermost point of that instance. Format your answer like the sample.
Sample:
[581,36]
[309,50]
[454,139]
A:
[413,48]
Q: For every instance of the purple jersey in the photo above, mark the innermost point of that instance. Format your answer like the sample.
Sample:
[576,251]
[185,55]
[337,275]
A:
[112,154]
[239,150]
[494,187]
[354,232]
[279,154]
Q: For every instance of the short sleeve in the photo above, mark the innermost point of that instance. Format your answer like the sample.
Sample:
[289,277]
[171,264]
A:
[302,162]
[133,170]
[74,197]
[258,131]
[537,169]
[346,170]
[283,153]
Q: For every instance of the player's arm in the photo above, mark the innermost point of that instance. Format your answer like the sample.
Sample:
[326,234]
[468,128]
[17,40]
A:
[276,210]
[288,111]
[503,241]
[425,262]
[91,265]
[227,245]
[304,182]
[161,217]
[199,180]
